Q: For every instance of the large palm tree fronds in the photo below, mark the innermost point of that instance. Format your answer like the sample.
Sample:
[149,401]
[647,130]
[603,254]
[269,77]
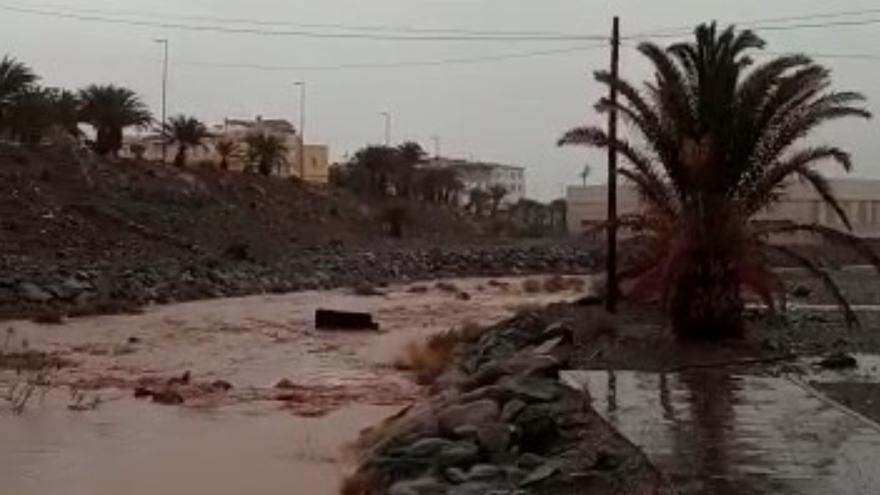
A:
[110,109]
[15,77]
[185,132]
[267,153]
[716,140]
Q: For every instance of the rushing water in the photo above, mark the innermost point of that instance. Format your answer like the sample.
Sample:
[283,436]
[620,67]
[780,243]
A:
[132,448]
[231,443]
[722,434]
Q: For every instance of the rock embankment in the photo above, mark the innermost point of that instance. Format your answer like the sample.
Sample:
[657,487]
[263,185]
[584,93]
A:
[504,423]
[72,287]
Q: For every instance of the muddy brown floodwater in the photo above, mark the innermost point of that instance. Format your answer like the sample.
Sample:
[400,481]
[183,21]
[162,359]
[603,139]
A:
[240,441]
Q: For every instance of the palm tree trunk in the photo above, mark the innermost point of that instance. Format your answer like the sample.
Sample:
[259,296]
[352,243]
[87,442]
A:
[705,302]
[180,157]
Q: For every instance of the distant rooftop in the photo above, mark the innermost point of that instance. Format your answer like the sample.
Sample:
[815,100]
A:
[278,125]
[467,164]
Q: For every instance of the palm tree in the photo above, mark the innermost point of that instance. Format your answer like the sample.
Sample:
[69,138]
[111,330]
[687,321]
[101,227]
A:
[227,149]
[15,78]
[585,173]
[138,150]
[34,112]
[185,132]
[722,140]
[497,193]
[478,200]
[110,109]
[267,153]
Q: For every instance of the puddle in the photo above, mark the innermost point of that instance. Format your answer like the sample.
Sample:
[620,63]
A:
[721,434]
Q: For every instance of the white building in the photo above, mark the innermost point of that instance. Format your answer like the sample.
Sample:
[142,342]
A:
[483,175]
[313,167]
[860,198]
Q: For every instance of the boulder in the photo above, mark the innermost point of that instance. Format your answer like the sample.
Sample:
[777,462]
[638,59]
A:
[533,389]
[459,453]
[33,293]
[485,472]
[421,486]
[511,409]
[494,437]
[477,488]
[541,473]
[471,413]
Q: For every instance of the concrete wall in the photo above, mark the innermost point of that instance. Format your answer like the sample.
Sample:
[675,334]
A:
[860,198]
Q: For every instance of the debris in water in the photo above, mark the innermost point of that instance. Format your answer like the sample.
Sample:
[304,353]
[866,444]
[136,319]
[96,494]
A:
[344,320]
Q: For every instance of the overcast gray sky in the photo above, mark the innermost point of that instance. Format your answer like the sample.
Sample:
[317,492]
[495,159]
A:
[509,110]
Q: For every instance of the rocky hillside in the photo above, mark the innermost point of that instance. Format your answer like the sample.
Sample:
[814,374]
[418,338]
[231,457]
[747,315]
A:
[82,236]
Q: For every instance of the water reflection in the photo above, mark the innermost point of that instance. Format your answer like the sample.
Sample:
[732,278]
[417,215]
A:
[722,434]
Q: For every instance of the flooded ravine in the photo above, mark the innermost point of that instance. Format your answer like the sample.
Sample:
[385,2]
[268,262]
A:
[243,440]
[723,434]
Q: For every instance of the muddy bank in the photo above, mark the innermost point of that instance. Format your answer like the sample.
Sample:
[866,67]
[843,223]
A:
[501,420]
[71,287]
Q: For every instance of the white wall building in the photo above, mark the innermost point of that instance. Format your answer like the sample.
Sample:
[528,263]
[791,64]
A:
[483,175]
[860,198]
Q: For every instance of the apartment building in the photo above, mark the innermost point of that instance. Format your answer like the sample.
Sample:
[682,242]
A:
[860,198]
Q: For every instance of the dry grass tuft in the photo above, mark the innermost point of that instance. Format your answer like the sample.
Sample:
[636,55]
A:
[429,359]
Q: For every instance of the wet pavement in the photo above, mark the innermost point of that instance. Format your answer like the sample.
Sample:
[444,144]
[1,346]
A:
[717,433]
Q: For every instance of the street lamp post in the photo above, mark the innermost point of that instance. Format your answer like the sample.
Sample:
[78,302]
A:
[164,43]
[387,116]
[302,128]
[436,140]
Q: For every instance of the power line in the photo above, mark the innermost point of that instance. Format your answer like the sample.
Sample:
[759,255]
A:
[400,65]
[282,23]
[840,56]
[299,33]
[753,23]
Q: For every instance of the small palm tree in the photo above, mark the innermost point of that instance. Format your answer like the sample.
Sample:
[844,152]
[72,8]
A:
[185,132]
[585,174]
[267,153]
[478,201]
[497,194]
[15,78]
[110,109]
[722,141]
[227,149]
[138,150]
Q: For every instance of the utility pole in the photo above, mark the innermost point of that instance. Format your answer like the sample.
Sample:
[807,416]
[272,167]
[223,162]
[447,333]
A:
[611,259]
[436,140]
[387,116]
[164,43]
[302,128]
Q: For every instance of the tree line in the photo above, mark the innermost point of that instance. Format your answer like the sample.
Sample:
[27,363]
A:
[32,114]
[406,172]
